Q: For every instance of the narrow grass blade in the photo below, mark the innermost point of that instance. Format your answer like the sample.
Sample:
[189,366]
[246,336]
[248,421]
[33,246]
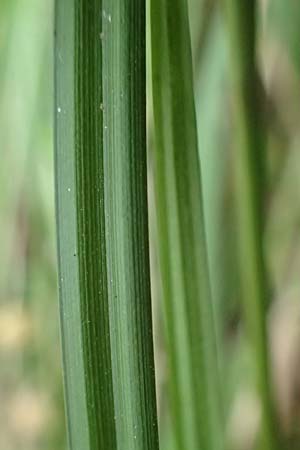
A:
[250,179]
[195,401]
[102,225]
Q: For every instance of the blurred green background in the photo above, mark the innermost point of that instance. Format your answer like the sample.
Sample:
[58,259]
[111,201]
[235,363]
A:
[31,413]
[31,399]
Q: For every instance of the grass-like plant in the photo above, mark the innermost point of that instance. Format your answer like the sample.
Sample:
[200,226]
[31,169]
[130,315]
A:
[101,182]
[102,224]
[102,221]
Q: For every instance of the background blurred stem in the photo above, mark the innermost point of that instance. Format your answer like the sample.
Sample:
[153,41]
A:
[250,151]
[194,389]
[102,225]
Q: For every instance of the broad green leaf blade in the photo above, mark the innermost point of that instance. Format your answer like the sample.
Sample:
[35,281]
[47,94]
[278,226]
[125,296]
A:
[250,180]
[195,401]
[102,225]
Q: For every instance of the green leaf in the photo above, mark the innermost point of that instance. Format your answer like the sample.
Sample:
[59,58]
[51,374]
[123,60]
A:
[194,388]
[102,226]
